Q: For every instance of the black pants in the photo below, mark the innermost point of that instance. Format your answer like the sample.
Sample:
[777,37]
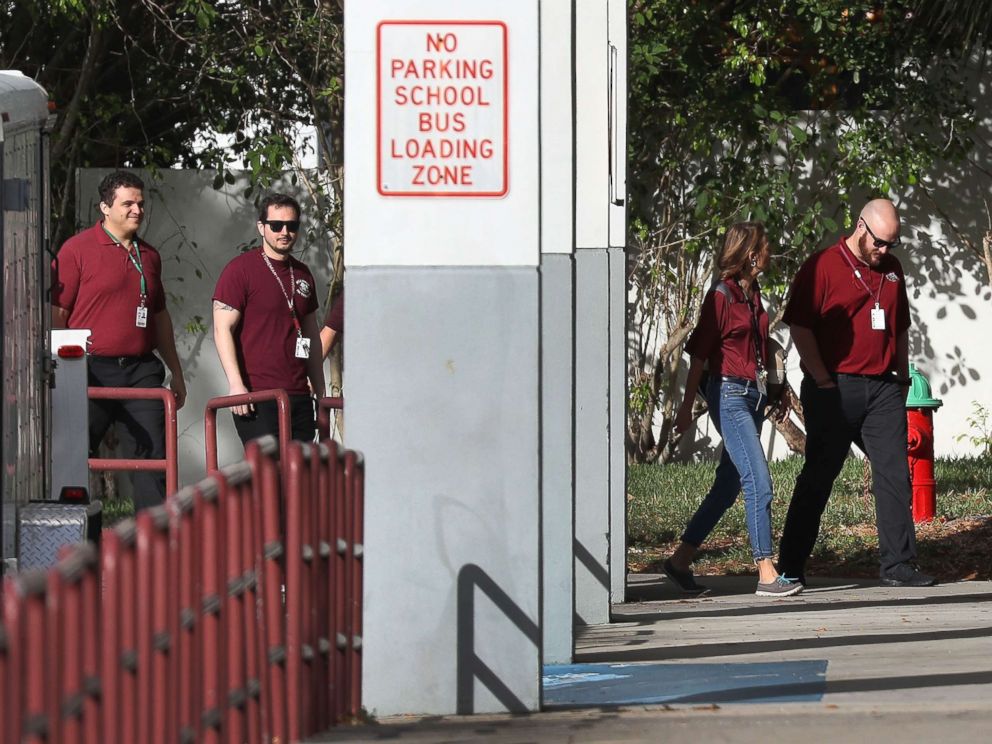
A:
[142,422]
[265,420]
[869,412]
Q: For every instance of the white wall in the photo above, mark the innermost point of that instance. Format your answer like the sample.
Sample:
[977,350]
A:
[198,230]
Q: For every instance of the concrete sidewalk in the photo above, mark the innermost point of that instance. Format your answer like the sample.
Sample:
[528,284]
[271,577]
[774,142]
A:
[844,661]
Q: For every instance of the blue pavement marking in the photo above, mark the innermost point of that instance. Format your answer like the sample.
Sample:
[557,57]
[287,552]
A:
[586,685]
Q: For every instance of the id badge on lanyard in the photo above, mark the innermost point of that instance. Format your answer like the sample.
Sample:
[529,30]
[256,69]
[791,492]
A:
[141,316]
[877,318]
[302,347]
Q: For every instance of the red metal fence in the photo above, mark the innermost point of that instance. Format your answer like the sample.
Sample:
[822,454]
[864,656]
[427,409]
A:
[171,462]
[231,614]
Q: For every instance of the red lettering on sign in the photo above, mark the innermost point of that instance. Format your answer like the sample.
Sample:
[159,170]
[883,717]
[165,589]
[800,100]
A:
[436,42]
[442,149]
[441,121]
[437,175]
[442,69]
[440,95]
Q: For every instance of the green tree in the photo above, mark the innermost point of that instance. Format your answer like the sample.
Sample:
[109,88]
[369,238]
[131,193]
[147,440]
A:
[188,83]
[785,112]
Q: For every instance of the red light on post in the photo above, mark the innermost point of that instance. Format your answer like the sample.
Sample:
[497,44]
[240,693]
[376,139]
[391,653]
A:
[71,352]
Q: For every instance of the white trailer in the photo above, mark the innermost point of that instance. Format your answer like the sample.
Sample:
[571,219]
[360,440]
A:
[26,455]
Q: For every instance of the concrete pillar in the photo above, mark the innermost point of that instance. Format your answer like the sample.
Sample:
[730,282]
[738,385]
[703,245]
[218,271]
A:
[600,337]
[592,461]
[443,356]
[557,332]
[617,260]
[617,217]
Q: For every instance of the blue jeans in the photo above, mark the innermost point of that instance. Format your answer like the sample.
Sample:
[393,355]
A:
[736,411]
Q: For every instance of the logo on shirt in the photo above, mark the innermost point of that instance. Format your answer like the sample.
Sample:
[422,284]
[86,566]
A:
[892,276]
[303,288]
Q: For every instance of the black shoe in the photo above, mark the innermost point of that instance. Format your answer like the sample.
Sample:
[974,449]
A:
[683,579]
[906,574]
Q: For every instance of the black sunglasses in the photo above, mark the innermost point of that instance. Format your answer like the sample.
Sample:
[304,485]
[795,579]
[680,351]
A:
[879,243]
[277,225]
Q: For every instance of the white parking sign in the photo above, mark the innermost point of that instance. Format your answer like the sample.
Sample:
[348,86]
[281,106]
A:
[441,118]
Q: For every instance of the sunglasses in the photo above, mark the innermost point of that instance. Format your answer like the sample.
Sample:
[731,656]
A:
[277,225]
[879,243]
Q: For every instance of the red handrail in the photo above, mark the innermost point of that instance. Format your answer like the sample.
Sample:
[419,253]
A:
[229,401]
[171,462]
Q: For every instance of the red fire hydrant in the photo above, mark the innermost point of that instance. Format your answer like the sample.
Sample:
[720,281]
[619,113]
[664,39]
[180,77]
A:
[920,405]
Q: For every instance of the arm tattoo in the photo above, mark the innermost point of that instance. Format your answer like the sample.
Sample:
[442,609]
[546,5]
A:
[218,305]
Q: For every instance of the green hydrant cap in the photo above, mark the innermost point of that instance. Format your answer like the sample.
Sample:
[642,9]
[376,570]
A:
[920,395]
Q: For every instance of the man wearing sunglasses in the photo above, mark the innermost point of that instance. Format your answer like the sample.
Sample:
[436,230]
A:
[848,313]
[265,327]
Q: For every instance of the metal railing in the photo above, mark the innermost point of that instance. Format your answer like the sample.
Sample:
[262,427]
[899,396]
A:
[231,613]
[170,465]
[281,399]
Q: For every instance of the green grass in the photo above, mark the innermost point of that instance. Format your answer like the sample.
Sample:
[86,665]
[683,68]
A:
[662,499]
[116,510]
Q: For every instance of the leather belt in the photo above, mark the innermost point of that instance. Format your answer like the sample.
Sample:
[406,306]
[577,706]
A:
[743,381]
[122,361]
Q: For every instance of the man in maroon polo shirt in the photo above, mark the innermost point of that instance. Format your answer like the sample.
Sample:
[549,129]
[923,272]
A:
[109,280]
[265,327]
[848,313]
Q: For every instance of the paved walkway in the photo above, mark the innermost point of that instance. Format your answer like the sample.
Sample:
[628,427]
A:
[844,661]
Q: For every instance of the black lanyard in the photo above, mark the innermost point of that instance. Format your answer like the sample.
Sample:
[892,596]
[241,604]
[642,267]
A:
[755,330]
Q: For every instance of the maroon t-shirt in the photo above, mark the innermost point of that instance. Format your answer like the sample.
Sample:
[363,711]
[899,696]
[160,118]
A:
[725,332]
[828,298]
[100,287]
[266,336]
[335,316]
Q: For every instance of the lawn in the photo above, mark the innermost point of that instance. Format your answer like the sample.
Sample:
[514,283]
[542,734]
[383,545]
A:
[956,545]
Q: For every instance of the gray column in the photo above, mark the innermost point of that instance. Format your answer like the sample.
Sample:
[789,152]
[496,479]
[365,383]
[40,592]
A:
[443,402]
[592,437]
[557,459]
[618,424]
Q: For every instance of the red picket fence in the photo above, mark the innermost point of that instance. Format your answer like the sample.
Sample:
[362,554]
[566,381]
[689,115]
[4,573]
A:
[231,614]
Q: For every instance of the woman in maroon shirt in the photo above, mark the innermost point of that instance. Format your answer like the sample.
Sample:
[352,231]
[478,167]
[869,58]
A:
[732,337]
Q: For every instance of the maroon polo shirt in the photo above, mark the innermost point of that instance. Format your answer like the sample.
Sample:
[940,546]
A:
[265,337]
[95,281]
[723,336]
[335,316]
[828,298]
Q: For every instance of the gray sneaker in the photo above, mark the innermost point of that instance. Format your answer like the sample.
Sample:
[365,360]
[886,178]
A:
[781,587]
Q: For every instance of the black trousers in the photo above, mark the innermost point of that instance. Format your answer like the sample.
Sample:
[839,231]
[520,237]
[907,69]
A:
[141,428]
[265,420]
[869,412]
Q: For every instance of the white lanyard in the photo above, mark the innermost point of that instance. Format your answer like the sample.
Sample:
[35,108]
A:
[877,314]
[292,287]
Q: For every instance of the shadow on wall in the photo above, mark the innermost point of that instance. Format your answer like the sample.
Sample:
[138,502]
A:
[472,580]
[951,294]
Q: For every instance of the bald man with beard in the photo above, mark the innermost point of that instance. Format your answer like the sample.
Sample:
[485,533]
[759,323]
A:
[848,313]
